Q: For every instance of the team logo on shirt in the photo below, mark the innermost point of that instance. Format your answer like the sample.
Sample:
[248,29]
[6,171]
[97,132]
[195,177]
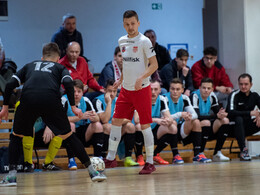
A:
[135,49]
[130,59]
[123,49]
[152,48]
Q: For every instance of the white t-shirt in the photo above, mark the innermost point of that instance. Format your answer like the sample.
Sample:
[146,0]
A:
[136,52]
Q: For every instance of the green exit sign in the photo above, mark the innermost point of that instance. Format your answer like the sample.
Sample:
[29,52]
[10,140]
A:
[157,6]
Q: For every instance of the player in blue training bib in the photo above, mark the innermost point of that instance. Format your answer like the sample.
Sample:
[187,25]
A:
[189,128]
[213,119]
[105,106]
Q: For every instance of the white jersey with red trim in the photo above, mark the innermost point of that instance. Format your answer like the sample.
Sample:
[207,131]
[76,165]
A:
[135,51]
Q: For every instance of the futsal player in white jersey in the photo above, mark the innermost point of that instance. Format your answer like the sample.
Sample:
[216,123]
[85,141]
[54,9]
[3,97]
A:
[137,52]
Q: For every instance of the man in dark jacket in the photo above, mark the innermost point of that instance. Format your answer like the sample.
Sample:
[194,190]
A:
[178,68]
[7,69]
[67,33]
[162,54]
[242,108]
[112,69]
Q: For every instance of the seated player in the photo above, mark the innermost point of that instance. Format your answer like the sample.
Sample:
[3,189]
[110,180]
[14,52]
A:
[189,129]
[177,68]
[88,128]
[105,105]
[164,128]
[213,119]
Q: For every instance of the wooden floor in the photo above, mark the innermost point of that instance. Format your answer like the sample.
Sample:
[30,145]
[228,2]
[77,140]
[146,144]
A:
[217,178]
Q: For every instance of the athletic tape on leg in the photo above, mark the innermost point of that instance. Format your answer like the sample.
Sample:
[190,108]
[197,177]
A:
[149,150]
[113,145]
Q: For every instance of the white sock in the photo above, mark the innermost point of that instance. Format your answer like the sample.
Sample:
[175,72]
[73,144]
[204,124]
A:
[12,173]
[149,144]
[114,139]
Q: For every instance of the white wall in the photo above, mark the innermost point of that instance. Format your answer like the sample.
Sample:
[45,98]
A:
[239,39]
[232,37]
[32,23]
[252,43]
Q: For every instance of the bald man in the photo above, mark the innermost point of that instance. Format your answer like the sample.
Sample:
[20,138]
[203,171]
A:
[78,67]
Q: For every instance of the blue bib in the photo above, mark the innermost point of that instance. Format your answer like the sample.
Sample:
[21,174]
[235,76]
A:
[175,107]
[39,125]
[83,107]
[156,111]
[102,99]
[204,107]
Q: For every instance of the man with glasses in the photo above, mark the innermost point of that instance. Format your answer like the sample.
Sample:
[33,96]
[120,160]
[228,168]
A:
[210,67]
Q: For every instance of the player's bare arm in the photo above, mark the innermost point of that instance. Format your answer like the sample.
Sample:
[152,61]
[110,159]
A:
[157,120]
[186,116]
[221,89]
[4,113]
[257,121]
[125,121]
[185,71]
[119,82]
[85,88]
[136,118]
[105,116]
[167,119]
[77,111]
[255,113]
[73,119]
[91,115]
[47,135]
[148,72]
[222,113]
[187,92]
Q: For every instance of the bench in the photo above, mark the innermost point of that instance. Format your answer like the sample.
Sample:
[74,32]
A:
[230,148]
[6,125]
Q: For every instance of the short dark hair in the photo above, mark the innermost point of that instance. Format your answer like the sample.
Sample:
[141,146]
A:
[117,50]
[210,51]
[79,84]
[130,13]
[50,50]
[67,16]
[149,31]
[182,52]
[109,82]
[244,75]
[154,81]
[176,81]
[206,80]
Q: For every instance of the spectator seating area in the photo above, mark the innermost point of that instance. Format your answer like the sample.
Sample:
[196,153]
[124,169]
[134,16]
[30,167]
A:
[230,147]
